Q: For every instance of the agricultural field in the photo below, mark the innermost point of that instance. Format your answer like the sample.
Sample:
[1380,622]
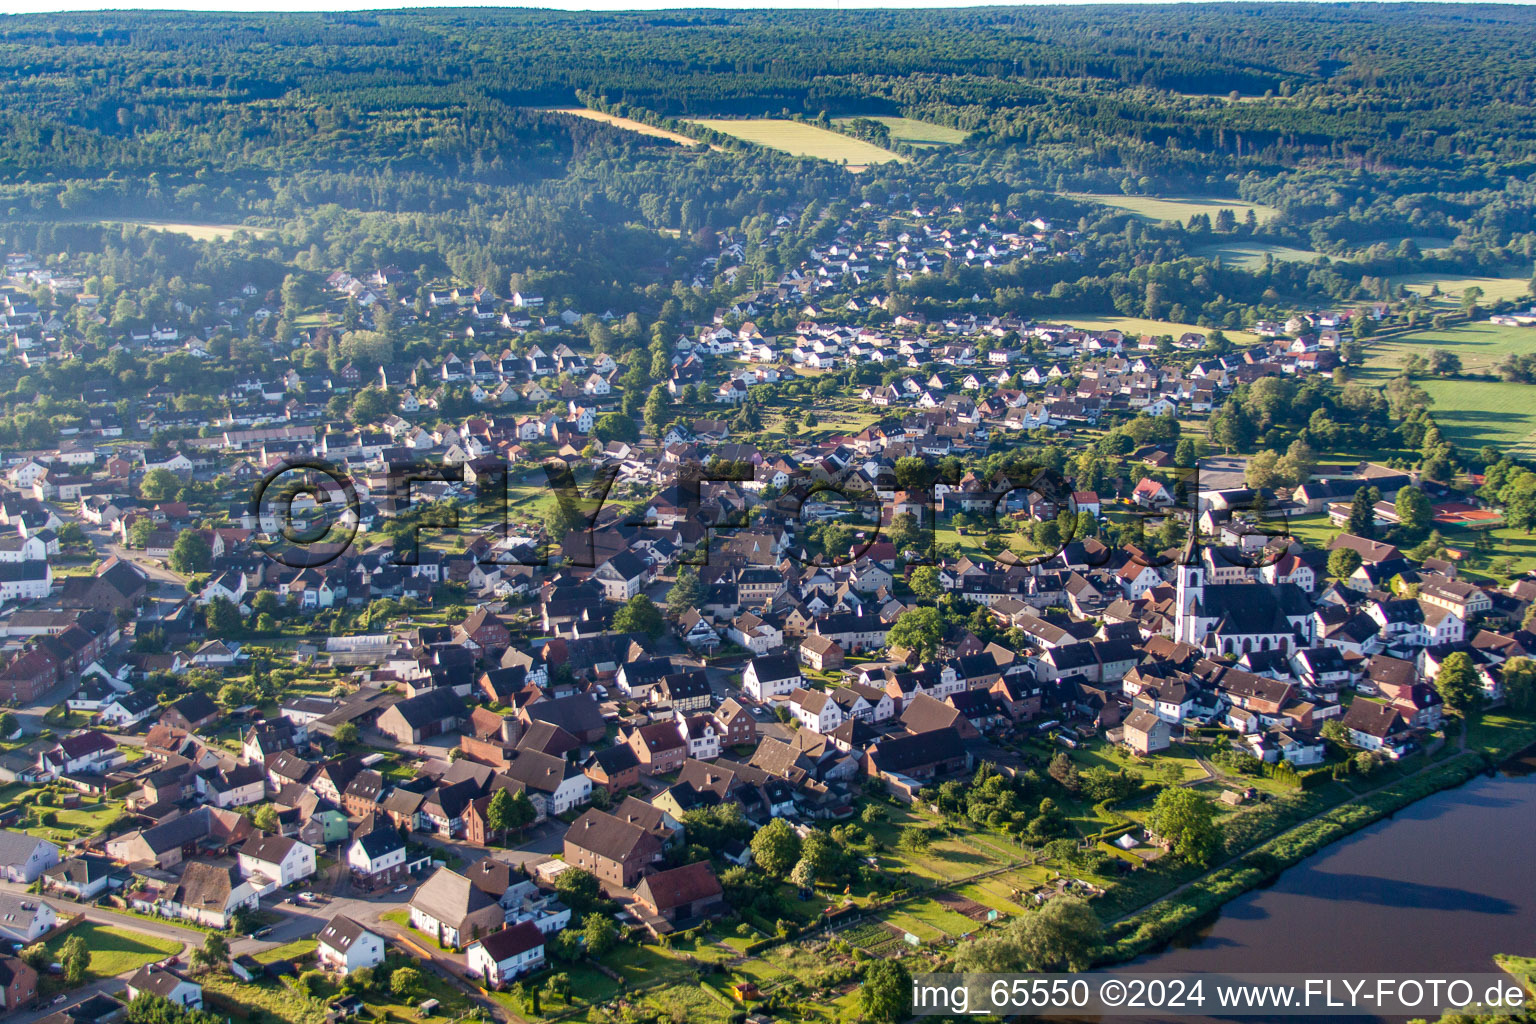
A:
[916,133]
[1480,346]
[1137,325]
[1250,255]
[1426,243]
[638,127]
[1452,285]
[1158,208]
[198,232]
[1473,413]
[799,139]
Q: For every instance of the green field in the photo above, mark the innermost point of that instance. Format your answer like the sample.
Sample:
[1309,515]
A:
[1250,255]
[1426,243]
[1472,413]
[116,951]
[1160,208]
[1136,325]
[800,139]
[1480,346]
[1451,285]
[914,132]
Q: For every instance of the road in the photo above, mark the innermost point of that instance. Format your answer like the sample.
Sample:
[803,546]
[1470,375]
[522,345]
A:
[188,937]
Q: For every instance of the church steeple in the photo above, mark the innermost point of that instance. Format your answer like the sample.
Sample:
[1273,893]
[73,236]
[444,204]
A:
[1189,587]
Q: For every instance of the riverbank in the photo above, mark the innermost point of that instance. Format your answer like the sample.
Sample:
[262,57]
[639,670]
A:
[1494,740]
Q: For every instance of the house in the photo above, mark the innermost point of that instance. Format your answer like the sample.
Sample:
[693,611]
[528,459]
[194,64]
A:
[208,895]
[377,854]
[174,986]
[561,783]
[272,861]
[23,858]
[346,946]
[771,675]
[500,957]
[25,919]
[614,768]
[823,654]
[18,984]
[82,878]
[428,714]
[615,850]
[907,757]
[815,710]
[735,724]
[658,747]
[453,910]
[192,712]
[622,576]
[680,897]
[1378,727]
[1146,732]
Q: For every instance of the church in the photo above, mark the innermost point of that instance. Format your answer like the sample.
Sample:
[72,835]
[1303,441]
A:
[1238,618]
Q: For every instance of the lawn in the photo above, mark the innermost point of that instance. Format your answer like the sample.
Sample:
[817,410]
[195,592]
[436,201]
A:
[1160,208]
[116,951]
[799,139]
[1472,413]
[295,950]
[1451,285]
[916,133]
[1135,325]
[1250,255]
[1480,346]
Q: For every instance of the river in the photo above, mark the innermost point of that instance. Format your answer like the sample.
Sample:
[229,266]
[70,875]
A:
[1441,886]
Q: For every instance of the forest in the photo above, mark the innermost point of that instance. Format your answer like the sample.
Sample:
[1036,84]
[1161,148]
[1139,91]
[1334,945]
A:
[432,140]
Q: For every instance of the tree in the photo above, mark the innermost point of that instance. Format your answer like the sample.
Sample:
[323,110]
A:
[578,889]
[600,932]
[159,485]
[776,847]
[75,958]
[656,405]
[615,426]
[191,553]
[886,994]
[405,983]
[1519,681]
[1187,820]
[498,815]
[918,629]
[346,733]
[1063,935]
[687,592]
[640,615]
[8,725]
[1414,512]
[221,618]
[264,817]
[1362,512]
[1458,684]
[1342,563]
[140,532]
[803,875]
[370,405]
[214,951]
[924,582]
